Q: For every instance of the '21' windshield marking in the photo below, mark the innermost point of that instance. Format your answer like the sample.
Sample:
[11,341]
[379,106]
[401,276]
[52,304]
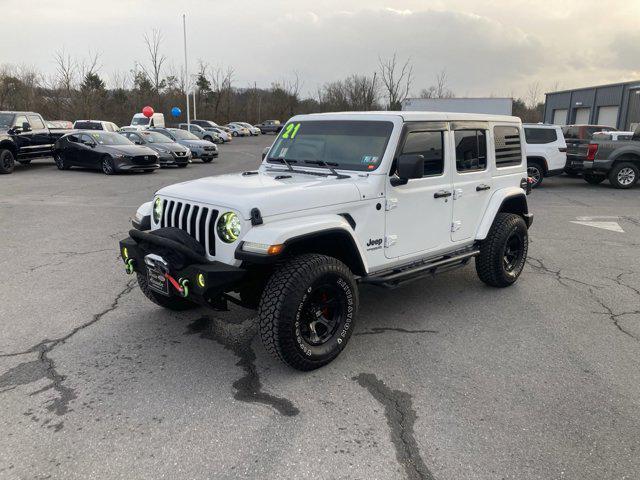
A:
[291,130]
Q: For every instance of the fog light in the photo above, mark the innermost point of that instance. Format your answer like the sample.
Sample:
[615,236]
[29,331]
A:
[201,280]
[125,253]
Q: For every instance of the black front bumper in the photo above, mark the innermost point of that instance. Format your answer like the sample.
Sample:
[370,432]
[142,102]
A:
[217,278]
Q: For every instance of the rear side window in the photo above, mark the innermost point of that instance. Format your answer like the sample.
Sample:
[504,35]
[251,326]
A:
[88,126]
[570,132]
[537,136]
[431,146]
[508,148]
[471,150]
[35,122]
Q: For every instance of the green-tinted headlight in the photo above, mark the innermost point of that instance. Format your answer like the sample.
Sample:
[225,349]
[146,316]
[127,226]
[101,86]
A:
[229,227]
[157,210]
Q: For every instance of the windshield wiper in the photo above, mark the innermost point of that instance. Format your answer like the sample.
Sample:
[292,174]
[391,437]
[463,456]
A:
[328,165]
[284,161]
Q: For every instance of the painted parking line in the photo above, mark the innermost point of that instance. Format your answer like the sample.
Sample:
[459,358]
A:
[604,222]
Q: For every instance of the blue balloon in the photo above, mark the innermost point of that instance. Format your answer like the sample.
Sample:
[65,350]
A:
[175,111]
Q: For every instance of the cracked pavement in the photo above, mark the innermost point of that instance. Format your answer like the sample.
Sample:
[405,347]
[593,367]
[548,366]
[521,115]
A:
[444,378]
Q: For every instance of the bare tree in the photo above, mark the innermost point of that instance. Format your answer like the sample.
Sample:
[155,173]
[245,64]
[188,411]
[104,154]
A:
[157,60]
[440,89]
[396,80]
[533,94]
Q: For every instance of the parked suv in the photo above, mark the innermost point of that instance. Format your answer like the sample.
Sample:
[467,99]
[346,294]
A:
[577,138]
[95,125]
[546,151]
[341,199]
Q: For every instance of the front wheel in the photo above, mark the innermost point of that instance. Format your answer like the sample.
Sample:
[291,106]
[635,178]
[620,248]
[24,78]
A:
[107,166]
[7,162]
[624,175]
[504,251]
[535,171]
[307,311]
[592,179]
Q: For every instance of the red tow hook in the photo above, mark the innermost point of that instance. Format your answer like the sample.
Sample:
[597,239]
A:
[174,282]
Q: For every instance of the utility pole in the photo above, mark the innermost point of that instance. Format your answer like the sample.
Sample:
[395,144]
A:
[186,70]
[194,103]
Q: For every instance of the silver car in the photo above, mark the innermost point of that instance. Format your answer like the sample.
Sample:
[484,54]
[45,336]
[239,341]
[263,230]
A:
[201,133]
[202,149]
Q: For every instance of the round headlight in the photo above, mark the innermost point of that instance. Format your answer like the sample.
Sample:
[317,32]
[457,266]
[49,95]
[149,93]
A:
[157,210]
[229,227]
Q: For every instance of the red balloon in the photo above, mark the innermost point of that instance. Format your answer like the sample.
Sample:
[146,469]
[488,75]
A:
[147,112]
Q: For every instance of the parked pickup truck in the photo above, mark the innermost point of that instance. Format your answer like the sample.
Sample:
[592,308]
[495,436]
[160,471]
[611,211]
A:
[616,160]
[577,138]
[23,137]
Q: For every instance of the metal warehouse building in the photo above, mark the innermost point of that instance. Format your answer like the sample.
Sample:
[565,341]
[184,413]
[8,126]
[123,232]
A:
[616,105]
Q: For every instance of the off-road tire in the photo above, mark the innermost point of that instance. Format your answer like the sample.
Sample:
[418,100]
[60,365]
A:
[616,177]
[174,303]
[592,179]
[535,171]
[7,161]
[282,304]
[490,264]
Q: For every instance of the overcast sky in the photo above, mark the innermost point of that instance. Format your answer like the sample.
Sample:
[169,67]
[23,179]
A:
[494,47]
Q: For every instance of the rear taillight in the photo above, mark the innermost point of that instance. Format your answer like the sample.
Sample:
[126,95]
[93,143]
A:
[592,149]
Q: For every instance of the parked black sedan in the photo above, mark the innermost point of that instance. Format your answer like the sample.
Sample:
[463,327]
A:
[106,151]
[170,152]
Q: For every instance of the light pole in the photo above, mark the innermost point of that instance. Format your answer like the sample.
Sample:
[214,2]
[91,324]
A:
[186,70]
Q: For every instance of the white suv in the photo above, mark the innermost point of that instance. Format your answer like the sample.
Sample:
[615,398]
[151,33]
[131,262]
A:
[340,199]
[546,151]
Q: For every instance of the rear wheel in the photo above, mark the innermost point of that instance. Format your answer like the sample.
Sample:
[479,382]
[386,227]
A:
[235,134]
[7,162]
[107,165]
[624,175]
[536,172]
[171,302]
[504,251]
[307,311]
[592,179]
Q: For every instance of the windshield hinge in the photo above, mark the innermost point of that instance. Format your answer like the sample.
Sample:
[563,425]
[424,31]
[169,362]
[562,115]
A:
[391,204]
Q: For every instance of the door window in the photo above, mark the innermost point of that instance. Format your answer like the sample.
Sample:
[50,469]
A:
[538,136]
[86,140]
[20,119]
[35,122]
[431,146]
[471,150]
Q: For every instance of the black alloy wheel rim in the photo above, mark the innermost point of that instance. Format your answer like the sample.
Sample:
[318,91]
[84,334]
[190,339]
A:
[59,161]
[513,252]
[322,313]
[106,166]
[6,160]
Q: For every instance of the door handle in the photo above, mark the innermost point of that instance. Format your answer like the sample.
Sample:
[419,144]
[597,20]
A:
[441,194]
[482,187]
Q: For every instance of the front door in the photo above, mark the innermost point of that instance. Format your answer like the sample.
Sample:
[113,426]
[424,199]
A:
[471,178]
[418,216]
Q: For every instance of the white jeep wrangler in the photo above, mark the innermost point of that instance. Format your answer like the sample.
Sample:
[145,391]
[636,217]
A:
[340,199]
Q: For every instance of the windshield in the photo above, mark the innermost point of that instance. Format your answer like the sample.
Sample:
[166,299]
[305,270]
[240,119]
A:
[108,138]
[183,134]
[140,121]
[352,145]
[6,120]
[155,137]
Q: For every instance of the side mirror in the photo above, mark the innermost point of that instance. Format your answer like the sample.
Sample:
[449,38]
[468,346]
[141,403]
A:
[26,127]
[410,166]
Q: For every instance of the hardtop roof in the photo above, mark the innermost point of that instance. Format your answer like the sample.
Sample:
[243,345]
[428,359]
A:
[413,116]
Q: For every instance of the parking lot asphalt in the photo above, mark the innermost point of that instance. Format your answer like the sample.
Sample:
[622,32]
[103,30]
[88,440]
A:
[445,378]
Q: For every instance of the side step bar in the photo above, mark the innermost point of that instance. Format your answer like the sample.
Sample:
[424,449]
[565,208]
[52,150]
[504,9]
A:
[402,275]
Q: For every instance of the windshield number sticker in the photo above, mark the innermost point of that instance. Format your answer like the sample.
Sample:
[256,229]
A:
[291,130]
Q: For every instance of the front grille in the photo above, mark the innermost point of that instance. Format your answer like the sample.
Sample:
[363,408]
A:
[180,154]
[144,160]
[210,149]
[197,221]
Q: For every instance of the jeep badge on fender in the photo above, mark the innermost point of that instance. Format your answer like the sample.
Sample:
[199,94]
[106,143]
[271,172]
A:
[296,237]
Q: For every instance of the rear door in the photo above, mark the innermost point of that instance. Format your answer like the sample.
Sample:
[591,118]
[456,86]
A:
[472,180]
[419,213]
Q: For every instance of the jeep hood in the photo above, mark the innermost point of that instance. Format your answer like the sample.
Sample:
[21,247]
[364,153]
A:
[291,192]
